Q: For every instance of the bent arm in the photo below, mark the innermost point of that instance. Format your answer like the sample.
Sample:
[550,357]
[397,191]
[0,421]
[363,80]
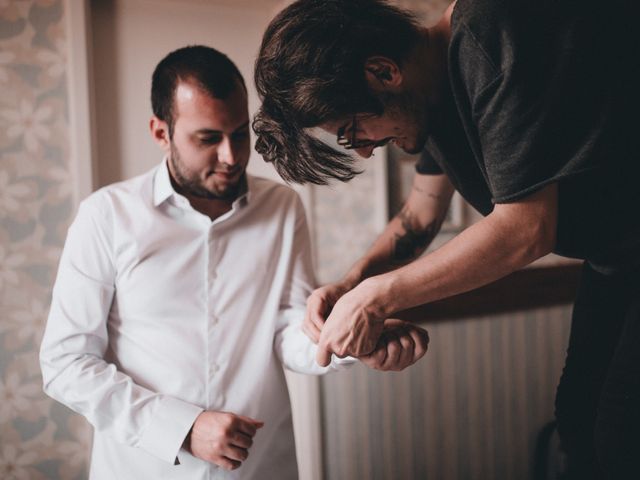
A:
[293,348]
[405,238]
[511,237]
[72,354]
[410,232]
[402,344]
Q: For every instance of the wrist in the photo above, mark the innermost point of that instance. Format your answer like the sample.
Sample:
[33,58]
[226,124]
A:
[351,280]
[381,302]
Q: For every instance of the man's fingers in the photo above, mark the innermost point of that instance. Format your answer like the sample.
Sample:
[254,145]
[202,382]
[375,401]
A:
[228,463]
[377,357]
[394,349]
[317,310]
[236,453]
[421,339]
[400,345]
[380,353]
[314,316]
[317,317]
[413,339]
[223,438]
[247,425]
[311,331]
[407,350]
[241,440]
[406,340]
[393,323]
[323,356]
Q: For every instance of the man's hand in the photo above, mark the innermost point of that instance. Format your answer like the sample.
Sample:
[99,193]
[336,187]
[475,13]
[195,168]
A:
[222,438]
[353,326]
[319,305]
[401,345]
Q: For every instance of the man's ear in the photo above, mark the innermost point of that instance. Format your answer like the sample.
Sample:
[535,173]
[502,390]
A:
[160,132]
[382,73]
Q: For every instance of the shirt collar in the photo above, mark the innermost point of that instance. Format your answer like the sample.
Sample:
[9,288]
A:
[162,188]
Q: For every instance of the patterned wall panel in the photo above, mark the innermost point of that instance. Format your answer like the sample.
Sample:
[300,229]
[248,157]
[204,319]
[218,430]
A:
[471,409]
[38,438]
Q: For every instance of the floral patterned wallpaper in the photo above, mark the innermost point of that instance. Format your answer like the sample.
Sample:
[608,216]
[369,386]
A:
[38,438]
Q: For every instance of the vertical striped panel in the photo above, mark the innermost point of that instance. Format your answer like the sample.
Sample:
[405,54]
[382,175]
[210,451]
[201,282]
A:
[471,409]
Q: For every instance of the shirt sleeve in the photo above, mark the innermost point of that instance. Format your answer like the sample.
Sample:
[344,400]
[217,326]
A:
[76,339]
[295,350]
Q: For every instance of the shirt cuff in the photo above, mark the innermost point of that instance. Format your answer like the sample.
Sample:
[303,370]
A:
[169,426]
[340,363]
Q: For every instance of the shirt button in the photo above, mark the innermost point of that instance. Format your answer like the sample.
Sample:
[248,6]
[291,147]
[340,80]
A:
[215,368]
[214,320]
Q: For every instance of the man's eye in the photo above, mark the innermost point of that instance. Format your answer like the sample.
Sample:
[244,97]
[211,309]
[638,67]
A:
[209,140]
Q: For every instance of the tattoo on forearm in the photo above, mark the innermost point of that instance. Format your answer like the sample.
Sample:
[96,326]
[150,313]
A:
[435,196]
[412,242]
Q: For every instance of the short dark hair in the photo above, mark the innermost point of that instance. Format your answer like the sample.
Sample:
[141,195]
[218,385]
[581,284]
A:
[209,69]
[310,71]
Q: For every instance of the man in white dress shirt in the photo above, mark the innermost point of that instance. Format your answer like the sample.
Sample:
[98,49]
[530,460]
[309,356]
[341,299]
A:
[180,296]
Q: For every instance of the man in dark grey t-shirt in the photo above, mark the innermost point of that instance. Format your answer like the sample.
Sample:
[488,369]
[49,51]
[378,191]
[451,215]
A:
[528,110]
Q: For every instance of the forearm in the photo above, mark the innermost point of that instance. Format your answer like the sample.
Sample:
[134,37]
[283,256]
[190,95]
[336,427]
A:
[409,233]
[488,250]
[114,404]
[116,400]
[75,373]
[512,236]
[398,244]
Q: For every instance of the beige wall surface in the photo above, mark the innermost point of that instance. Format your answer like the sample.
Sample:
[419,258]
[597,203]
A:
[129,38]
[470,410]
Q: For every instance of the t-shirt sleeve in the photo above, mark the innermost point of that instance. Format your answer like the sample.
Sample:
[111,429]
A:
[524,137]
[539,118]
[427,164]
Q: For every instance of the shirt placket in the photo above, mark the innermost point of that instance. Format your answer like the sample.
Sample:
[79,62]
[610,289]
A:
[215,390]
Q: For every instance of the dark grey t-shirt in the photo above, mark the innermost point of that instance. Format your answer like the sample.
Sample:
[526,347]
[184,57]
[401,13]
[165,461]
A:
[546,91]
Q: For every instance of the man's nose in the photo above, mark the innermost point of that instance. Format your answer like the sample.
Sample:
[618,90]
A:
[227,152]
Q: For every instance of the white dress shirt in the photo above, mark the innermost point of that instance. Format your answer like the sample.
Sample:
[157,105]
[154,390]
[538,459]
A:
[159,313]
